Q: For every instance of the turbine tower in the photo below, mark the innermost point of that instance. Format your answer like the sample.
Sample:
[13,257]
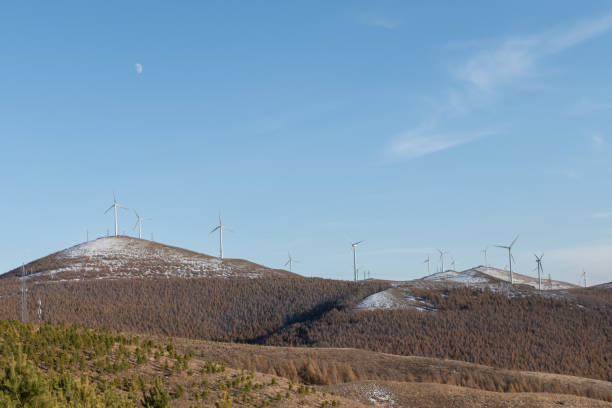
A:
[584,277]
[290,261]
[139,221]
[510,257]
[24,296]
[221,228]
[442,253]
[428,262]
[354,245]
[115,206]
[540,269]
[485,251]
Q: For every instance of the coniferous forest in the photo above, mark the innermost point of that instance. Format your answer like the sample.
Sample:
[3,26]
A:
[526,332]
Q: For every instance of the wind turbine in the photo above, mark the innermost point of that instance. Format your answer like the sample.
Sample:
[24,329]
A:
[290,262]
[485,257]
[540,269]
[354,245]
[139,222]
[454,265]
[442,253]
[220,227]
[510,257]
[115,206]
[428,262]
[584,277]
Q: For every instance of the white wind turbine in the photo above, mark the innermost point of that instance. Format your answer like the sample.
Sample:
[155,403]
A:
[540,269]
[454,265]
[354,245]
[139,221]
[290,261]
[115,206]
[485,251]
[442,253]
[221,228]
[510,257]
[428,262]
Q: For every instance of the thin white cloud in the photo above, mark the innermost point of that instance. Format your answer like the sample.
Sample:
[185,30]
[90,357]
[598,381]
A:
[598,140]
[516,57]
[424,140]
[138,68]
[602,215]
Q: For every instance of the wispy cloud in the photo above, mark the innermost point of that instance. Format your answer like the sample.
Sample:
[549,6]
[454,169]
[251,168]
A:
[425,140]
[598,140]
[602,215]
[516,57]
[480,74]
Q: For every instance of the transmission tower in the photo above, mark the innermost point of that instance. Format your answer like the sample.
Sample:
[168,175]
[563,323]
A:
[24,296]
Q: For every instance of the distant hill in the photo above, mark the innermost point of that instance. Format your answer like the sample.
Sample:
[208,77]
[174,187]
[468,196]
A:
[126,257]
[487,276]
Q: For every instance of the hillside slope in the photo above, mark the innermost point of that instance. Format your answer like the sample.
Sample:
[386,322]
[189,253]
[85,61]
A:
[487,276]
[126,257]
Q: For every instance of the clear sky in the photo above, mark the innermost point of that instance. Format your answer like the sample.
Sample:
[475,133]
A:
[410,125]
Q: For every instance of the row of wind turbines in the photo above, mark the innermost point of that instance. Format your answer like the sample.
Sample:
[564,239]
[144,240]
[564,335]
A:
[354,244]
[140,220]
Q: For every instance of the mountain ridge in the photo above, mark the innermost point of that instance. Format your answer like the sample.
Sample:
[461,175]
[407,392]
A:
[127,257]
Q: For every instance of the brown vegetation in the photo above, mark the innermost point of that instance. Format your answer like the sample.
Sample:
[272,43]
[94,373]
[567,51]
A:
[524,333]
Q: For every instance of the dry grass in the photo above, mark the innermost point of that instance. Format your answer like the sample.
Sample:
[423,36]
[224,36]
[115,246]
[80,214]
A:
[327,366]
[428,395]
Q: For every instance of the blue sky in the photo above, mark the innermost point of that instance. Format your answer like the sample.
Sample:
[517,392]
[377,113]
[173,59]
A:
[410,126]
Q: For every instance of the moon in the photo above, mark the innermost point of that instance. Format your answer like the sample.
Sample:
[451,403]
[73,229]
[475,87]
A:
[138,68]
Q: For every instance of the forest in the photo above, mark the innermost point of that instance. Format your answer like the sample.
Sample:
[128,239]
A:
[526,332]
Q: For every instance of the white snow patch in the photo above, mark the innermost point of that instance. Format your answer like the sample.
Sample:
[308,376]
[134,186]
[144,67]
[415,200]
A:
[379,300]
[394,299]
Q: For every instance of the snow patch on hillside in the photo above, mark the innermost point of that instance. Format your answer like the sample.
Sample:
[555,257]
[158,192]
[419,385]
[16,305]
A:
[393,299]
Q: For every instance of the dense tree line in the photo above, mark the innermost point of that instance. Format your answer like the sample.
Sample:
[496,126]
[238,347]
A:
[532,332]
[236,309]
[526,331]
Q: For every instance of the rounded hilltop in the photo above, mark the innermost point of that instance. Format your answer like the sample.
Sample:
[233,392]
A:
[123,257]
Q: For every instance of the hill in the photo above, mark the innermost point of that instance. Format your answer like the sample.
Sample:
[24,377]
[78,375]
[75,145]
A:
[494,278]
[67,366]
[563,331]
[126,257]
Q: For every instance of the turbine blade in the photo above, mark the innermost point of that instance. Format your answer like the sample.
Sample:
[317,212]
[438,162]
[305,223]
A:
[109,208]
[216,228]
[136,214]
[513,242]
